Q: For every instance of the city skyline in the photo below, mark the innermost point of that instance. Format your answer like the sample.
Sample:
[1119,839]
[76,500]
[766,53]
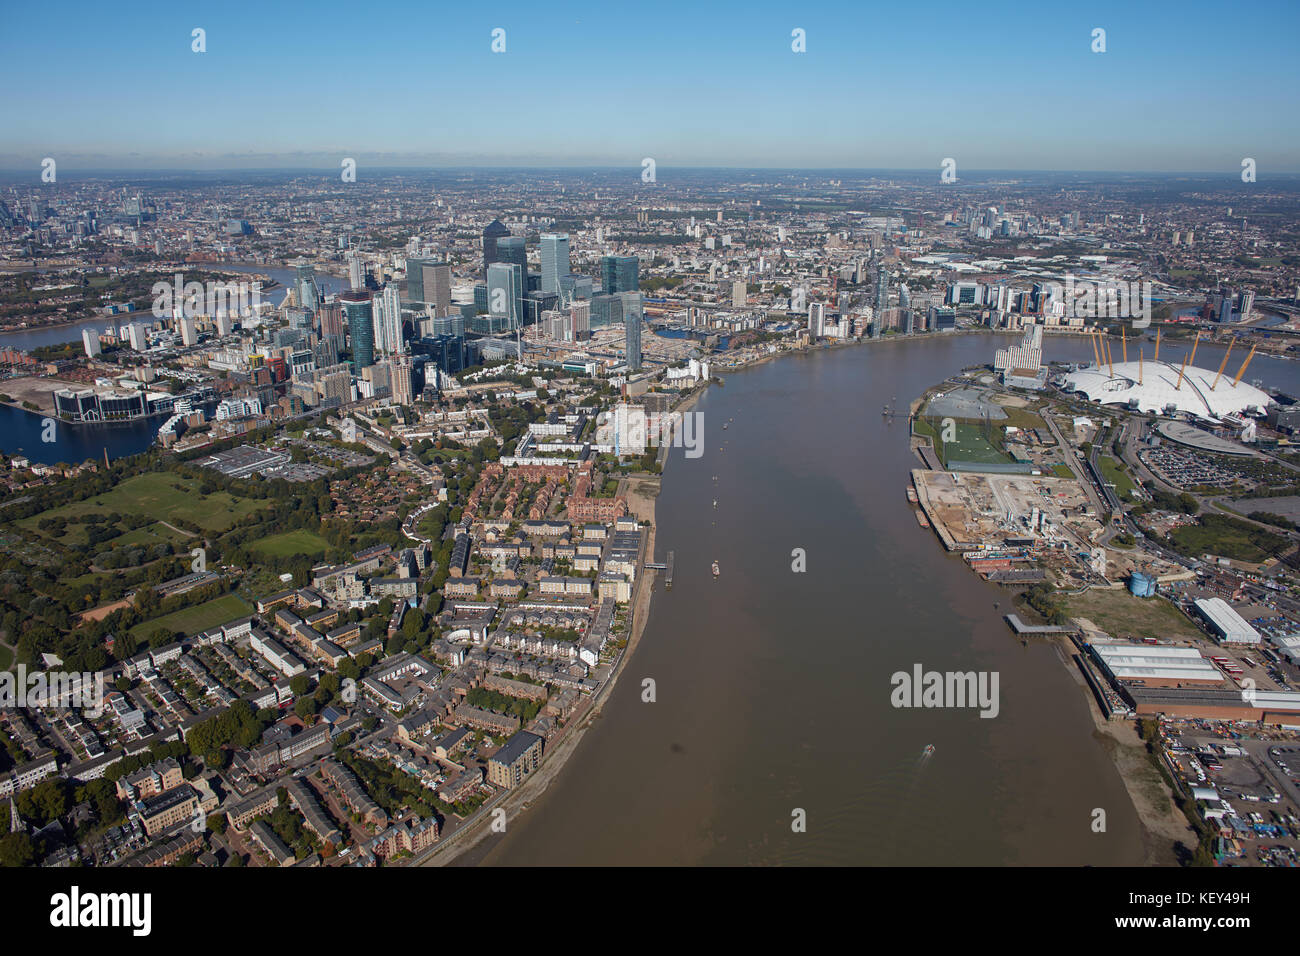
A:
[991,90]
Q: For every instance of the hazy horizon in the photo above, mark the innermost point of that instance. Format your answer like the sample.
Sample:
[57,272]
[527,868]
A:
[997,86]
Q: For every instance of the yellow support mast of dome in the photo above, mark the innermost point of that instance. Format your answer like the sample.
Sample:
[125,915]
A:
[1231,343]
[1242,371]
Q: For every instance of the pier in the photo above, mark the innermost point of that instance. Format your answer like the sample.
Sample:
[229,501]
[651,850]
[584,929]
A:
[666,567]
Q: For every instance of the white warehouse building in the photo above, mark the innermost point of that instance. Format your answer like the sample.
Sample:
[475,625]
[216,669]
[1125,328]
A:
[1230,626]
[1156,664]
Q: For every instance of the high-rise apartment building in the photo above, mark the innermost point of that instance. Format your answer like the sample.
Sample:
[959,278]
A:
[632,326]
[361,327]
[816,320]
[882,298]
[401,379]
[388,320]
[331,320]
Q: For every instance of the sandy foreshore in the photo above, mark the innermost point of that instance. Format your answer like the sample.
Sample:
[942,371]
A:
[1163,824]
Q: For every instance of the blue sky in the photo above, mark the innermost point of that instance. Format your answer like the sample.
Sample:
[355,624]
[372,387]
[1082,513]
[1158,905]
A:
[1189,86]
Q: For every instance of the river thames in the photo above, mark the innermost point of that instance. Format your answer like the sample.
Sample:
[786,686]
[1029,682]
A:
[773,687]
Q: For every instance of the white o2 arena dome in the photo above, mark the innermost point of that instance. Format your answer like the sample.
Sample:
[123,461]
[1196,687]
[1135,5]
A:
[1154,387]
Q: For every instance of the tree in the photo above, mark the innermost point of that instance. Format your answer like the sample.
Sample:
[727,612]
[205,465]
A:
[17,849]
[413,624]
[47,801]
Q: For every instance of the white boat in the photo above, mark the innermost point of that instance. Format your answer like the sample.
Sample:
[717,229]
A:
[716,572]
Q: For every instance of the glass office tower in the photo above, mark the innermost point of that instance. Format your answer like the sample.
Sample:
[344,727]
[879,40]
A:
[555,260]
[308,294]
[505,296]
[618,274]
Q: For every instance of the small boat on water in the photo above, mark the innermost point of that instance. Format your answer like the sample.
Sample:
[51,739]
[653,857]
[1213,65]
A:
[921,519]
[911,495]
[929,749]
[716,572]
[724,425]
[715,503]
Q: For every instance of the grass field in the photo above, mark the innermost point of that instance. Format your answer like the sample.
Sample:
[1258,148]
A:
[191,620]
[158,495]
[292,543]
[1112,472]
[1061,470]
[156,533]
[6,658]
[1123,615]
[968,444]
[1228,537]
[1021,418]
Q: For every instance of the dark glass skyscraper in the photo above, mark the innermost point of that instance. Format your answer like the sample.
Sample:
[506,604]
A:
[361,327]
[511,249]
[494,231]
[619,274]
